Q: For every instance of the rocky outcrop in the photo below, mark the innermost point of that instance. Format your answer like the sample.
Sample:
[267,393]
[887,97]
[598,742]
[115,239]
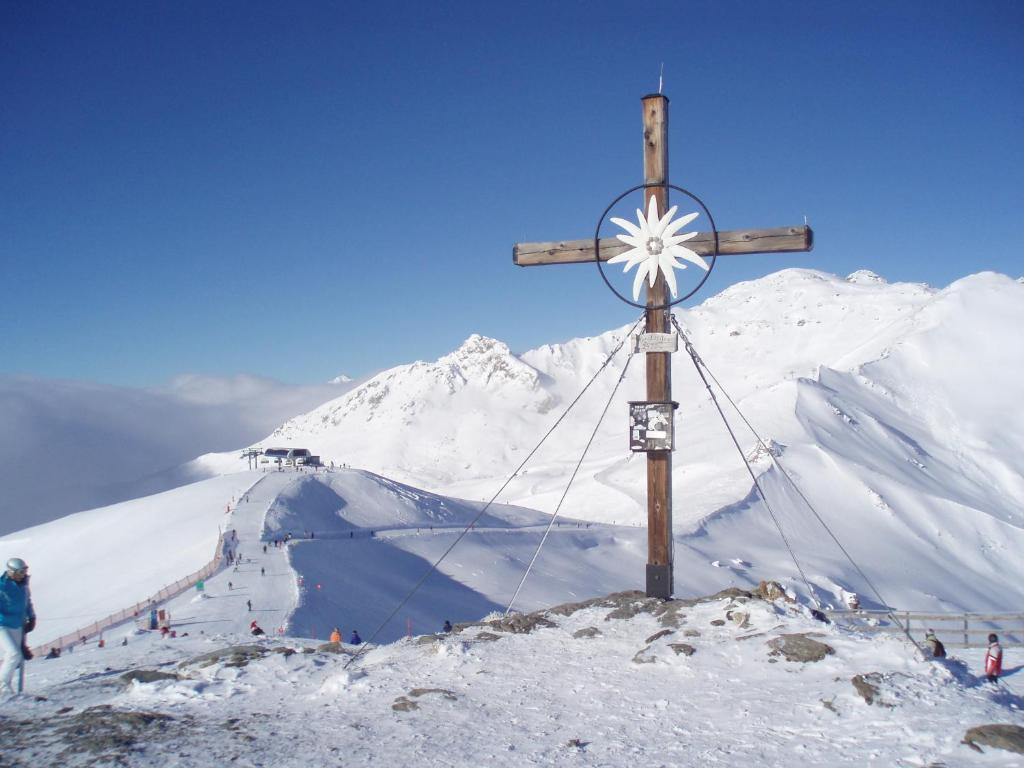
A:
[626,605]
[644,656]
[740,618]
[659,635]
[232,656]
[516,624]
[771,591]
[520,624]
[611,600]
[339,647]
[670,614]
[407,704]
[100,735]
[868,687]
[147,676]
[998,735]
[799,647]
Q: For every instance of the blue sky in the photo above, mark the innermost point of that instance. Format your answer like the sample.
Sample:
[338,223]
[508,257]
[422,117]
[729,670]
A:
[301,190]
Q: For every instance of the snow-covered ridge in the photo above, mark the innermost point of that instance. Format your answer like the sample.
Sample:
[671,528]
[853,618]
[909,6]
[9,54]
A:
[480,363]
[481,407]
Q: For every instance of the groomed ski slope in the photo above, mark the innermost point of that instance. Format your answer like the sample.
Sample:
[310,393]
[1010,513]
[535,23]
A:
[361,542]
[374,539]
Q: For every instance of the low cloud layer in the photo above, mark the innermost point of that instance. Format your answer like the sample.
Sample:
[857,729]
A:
[114,443]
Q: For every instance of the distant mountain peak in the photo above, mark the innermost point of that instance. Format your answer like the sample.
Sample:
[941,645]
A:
[480,365]
[477,345]
[865,277]
[484,360]
[341,379]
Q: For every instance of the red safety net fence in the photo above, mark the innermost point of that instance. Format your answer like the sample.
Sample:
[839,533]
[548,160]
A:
[140,609]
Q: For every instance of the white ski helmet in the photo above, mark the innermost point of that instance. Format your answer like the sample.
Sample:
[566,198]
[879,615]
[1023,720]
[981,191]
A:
[16,564]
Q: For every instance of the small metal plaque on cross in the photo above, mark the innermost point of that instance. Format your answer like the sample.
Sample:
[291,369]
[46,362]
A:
[656,342]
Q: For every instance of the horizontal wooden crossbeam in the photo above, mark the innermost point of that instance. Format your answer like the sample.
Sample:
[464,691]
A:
[730,243]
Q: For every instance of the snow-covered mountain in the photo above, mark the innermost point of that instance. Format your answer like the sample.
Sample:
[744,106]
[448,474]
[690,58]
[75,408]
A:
[894,406]
[464,422]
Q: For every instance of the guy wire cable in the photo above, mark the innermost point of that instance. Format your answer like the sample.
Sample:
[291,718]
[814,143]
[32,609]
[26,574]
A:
[775,460]
[569,484]
[359,652]
[757,483]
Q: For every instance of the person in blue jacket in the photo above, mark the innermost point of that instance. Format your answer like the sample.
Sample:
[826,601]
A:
[16,613]
[355,639]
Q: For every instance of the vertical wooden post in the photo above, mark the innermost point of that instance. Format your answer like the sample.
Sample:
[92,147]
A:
[659,369]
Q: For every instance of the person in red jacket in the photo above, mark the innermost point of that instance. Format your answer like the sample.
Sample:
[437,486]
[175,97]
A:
[993,659]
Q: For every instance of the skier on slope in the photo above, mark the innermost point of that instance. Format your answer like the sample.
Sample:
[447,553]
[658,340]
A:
[993,659]
[17,616]
[355,639]
[254,628]
[335,635]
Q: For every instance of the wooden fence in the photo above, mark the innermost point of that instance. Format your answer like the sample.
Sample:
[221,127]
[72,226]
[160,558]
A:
[140,608]
[955,630]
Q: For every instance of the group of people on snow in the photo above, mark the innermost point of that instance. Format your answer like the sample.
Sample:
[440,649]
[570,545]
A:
[18,617]
[355,639]
[993,654]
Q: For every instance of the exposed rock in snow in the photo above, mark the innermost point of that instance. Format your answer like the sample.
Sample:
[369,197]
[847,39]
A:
[800,647]
[999,735]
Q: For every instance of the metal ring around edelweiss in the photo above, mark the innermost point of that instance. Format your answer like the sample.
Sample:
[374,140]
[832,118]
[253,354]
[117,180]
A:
[597,245]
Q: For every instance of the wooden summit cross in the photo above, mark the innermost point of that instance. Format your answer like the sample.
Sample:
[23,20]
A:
[659,371]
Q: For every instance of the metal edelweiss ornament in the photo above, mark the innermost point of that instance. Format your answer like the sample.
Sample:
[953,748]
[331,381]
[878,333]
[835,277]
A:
[656,246]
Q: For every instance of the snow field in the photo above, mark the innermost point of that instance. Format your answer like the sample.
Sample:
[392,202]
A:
[92,564]
[594,690]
